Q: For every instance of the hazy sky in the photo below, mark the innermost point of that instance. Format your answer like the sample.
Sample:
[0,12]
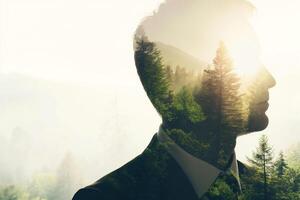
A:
[198,26]
[88,44]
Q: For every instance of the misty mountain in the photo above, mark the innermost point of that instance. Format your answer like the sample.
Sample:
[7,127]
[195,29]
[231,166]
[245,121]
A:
[173,56]
[38,114]
[42,119]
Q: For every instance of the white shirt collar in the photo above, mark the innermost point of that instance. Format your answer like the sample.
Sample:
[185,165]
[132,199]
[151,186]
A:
[200,173]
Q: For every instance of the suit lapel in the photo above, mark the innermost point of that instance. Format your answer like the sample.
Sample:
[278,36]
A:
[166,175]
[174,184]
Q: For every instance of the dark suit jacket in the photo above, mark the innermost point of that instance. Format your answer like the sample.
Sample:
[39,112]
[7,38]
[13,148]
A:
[153,175]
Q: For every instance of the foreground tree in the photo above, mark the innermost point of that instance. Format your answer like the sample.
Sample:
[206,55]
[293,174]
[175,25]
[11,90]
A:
[265,179]
[262,160]
[152,73]
[222,102]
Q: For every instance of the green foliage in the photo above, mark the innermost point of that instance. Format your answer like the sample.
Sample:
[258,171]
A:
[270,180]
[280,165]
[221,99]
[205,113]
[13,193]
[221,191]
[285,187]
[188,143]
[47,186]
[42,185]
[263,157]
[262,160]
[220,95]
[169,91]
[152,73]
[185,110]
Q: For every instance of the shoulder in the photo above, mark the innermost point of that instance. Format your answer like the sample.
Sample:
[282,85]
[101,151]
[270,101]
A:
[117,184]
[87,194]
[98,191]
[139,177]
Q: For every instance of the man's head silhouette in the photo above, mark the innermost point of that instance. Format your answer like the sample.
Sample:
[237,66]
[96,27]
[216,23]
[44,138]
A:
[199,63]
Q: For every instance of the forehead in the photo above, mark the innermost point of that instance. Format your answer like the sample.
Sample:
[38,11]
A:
[197,26]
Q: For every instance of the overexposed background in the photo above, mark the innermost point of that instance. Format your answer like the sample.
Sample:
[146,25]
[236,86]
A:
[68,84]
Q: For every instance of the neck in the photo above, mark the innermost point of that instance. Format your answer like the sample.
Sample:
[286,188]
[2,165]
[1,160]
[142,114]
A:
[208,145]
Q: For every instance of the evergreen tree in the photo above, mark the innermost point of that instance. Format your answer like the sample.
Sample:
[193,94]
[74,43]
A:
[281,181]
[262,160]
[293,181]
[222,102]
[280,165]
[152,73]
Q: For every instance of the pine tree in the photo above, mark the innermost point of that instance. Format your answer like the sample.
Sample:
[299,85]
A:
[221,100]
[152,73]
[262,159]
[229,106]
[280,165]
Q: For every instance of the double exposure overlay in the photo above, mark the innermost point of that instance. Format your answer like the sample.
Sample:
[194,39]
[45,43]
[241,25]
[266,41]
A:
[193,59]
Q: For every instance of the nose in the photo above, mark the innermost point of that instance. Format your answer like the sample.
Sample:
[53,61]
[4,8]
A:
[268,78]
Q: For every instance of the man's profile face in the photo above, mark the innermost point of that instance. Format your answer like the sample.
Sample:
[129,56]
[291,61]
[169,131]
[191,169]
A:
[199,64]
[258,120]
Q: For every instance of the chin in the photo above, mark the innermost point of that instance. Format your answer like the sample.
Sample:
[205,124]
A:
[258,123]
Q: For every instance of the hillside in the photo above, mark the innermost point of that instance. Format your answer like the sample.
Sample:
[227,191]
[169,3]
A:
[173,56]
